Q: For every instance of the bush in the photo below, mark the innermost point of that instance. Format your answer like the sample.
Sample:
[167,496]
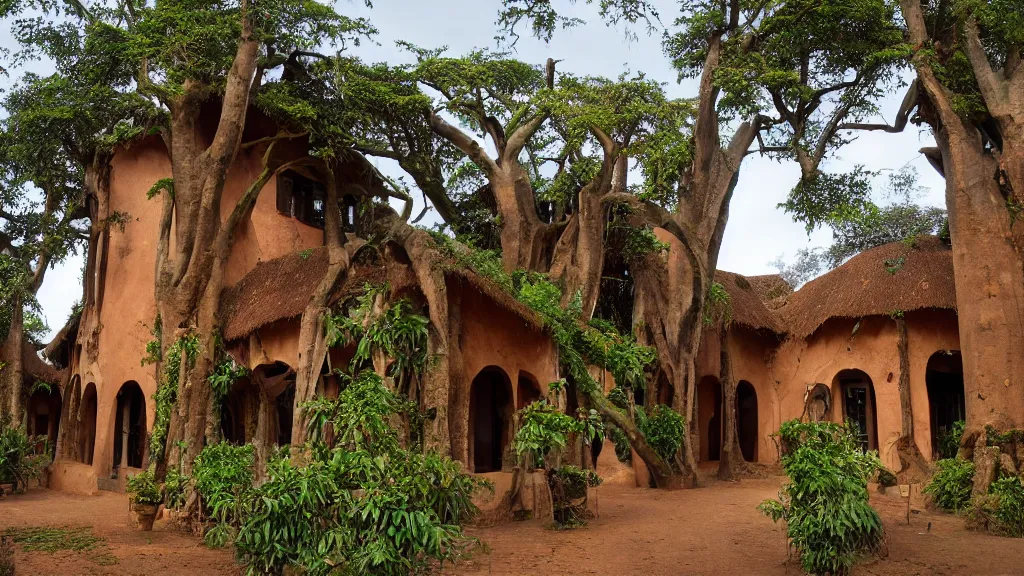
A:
[143,489]
[663,428]
[950,487]
[825,503]
[949,440]
[360,505]
[19,463]
[175,488]
[1009,513]
[223,476]
[569,486]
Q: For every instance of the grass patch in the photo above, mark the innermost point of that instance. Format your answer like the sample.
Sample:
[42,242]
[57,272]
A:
[76,539]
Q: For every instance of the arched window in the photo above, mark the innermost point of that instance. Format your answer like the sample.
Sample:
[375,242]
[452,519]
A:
[746,419]
[709,418]
[857,398]
[944,378]
[130,426]
[490,419]
[87,425]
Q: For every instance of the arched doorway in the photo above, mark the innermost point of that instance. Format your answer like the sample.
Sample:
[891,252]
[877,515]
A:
[944,378]
[285,403]
[130,426]
[857,396]
[233,411]
[746,419]
[709,418]
[490,417]
[87,425]
[44,407]
[527,390]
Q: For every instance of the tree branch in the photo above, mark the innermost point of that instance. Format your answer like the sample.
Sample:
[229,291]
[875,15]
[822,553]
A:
[993,89]
[463,142]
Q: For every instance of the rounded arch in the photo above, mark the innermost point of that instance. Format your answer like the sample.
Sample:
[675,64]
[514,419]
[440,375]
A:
[490,419]
[87,424]
[944,379]
[130,426]
[709,418]
[857,399]
[746,419]
[527,390]
[44,408]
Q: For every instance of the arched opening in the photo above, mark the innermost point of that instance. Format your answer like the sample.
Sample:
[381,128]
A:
[44,407]
[233,412]
[87,425]
[129,426]
[858,401]
[490,417]
[285,404]
[709,418]
[944,378]
[746,419]
[527,390]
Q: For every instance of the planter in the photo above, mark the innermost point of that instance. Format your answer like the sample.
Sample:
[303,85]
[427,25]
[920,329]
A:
[145,514]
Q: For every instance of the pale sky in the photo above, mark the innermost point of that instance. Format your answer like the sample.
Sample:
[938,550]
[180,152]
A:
[757,232]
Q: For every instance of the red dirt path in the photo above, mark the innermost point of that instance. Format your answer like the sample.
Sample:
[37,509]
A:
[713,530]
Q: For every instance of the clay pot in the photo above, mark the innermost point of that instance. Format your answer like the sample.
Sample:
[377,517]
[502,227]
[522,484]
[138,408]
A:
[145,514]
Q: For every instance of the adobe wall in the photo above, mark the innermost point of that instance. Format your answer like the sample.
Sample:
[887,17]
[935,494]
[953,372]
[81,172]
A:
[750,352]
[128,309]
[799,364]
[492,336]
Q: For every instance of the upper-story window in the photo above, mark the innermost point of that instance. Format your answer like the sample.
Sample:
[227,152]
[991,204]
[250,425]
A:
[301,198]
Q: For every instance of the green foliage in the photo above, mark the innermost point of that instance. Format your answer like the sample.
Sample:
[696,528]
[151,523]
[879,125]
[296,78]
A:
[825,503]
[543,428]
[640,242]
[184,349]
[19,460]
[886,477]
[161,185]
[623,451]
[717,305]
[1008,508]
[543,18]
[569,486]
[176,487]
[51,539]
[663,428]
[143,489]
[949,440]
[358,505]
[376,326]
[223,377]
[223,475]
[996,438]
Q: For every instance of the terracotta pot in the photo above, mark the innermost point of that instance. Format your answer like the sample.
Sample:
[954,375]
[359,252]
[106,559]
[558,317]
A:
[145,514]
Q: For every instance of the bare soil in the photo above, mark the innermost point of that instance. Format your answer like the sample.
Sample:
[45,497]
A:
[713,530]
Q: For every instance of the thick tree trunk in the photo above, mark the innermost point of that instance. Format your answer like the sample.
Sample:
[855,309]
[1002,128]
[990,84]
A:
[526,242]
[913,466]
[732,455]
[12,374]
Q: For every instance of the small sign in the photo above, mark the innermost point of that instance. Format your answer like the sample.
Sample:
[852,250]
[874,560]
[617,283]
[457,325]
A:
[905,490]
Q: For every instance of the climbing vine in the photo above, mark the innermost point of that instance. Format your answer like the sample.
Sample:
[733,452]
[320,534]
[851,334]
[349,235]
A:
[717,305]
[186,347]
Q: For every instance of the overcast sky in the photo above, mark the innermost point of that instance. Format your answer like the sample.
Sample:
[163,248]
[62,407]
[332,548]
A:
[757,233]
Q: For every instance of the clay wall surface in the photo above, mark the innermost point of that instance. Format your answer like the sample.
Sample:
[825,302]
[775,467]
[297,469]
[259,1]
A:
[492,336]
[127,304]
[872,348]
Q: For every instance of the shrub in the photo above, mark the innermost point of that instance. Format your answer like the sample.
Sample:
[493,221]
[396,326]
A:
[143,489]
[19,463]
[825,503]
[359,505]
[569,486]
[949,440]
[1002,509]
[175,488]
[223,476]
[663,428]
[950,486]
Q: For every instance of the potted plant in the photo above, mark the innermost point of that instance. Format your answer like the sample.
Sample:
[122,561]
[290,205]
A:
[144,494]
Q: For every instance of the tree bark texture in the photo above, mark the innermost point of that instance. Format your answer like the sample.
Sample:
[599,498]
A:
[731,455]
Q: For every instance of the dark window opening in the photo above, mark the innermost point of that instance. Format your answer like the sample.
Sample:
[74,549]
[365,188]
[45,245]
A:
[746,419]
[285,403]
[709,416]
[944,378]
[129,426]
[858,397]
[301,198]
[490,415]
[87,425]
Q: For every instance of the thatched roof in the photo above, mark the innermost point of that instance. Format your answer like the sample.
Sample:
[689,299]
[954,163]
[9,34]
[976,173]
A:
[889,278]
[745,299]
[772,289]
[496,294]
[279,289]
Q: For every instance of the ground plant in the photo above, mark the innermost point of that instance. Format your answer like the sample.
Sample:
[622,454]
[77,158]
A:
[950,486]
[143,489]
[20,461]
[829,522]
[949,439]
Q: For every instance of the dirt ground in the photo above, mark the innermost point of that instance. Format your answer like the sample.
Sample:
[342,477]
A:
[713,530]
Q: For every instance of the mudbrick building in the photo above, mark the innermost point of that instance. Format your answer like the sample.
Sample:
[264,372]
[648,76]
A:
[836,349]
